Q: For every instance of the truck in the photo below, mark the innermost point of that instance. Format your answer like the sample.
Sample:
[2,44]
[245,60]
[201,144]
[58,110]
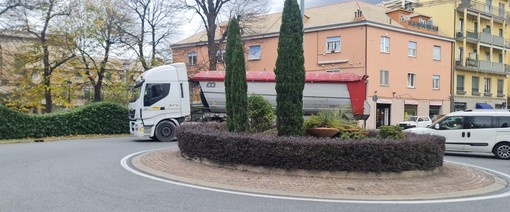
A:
[415,121]
[161,96]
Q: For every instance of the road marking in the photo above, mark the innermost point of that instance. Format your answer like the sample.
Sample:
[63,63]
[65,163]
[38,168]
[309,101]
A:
[124,163]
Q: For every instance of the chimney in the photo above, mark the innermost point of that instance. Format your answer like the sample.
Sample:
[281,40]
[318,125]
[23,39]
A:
[358,15]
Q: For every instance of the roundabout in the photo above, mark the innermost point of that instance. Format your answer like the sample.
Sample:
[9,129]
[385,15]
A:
[451,183]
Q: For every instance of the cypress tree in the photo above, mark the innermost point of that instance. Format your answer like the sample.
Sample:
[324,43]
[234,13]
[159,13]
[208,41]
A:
[290,72]
[235,80]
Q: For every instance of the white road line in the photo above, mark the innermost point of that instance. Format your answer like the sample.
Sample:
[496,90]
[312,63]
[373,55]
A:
[124,164]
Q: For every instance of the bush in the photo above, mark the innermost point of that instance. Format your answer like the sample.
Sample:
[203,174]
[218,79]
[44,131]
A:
[260,113]
[390,132]
[209,141]
[97,118]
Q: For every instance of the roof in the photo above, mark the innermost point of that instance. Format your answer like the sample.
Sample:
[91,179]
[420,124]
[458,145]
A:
[269,76]
[334,14]
[484,112]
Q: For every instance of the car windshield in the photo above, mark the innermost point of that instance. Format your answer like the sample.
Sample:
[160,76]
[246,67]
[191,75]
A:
[412,118]
[431,126]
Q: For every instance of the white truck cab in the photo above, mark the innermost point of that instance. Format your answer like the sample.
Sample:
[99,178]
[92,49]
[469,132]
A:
[161,102]
[484,132]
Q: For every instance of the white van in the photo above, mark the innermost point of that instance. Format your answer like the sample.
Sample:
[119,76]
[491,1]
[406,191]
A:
[483,132]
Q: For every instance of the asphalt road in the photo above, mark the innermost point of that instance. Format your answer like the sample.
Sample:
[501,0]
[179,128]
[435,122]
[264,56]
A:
[86,175]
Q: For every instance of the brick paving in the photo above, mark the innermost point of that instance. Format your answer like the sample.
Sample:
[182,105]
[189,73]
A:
[450,181]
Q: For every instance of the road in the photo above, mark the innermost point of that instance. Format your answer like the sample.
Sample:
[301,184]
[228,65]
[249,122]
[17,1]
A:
[86,175]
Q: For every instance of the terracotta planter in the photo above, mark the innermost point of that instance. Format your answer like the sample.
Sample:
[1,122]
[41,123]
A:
[322,131]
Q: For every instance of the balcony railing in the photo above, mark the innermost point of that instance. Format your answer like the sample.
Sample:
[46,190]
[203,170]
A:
[484,37]
[483,66]
[486,9]
[425,26]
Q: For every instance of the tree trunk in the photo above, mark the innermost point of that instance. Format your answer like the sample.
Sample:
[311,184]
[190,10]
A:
[211,43]
[46,74]
[47,94]
[97,92]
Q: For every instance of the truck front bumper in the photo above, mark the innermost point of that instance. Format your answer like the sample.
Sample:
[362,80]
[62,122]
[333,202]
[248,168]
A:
[136,128]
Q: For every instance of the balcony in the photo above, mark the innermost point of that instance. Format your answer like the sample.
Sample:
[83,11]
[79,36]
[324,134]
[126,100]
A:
[424,26]
[483,66]
[487,37]
[484,9]
[483,37]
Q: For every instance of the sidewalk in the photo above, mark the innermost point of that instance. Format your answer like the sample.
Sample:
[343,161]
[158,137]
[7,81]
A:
[449,181]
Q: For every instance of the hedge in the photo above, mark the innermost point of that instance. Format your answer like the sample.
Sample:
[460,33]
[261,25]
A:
[213,142]
[97,118]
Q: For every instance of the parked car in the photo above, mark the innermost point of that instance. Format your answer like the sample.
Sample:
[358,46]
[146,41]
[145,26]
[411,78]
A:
[415,121]
[481,132]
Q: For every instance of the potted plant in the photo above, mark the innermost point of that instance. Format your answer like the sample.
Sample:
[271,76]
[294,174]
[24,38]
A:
[324,124]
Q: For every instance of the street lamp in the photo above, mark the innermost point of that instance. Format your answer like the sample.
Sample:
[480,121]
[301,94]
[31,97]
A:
[69,92]
[126,66]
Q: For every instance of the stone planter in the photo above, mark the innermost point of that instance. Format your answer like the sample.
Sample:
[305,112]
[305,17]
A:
[322,131]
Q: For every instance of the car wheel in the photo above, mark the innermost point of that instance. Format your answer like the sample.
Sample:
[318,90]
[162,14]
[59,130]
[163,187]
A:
[502,151]
[165,131]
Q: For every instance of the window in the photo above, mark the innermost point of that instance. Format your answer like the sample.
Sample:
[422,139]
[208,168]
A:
[500,87]
[474,122]
[487,87]
[220,56]
[254,53]
[452,123]
[385,44]
[503,122]
[192,58]
[411,80]
[155,92]
[475,81]
[460,84]
[333,44]
[411,52]
[385,75]
[435,81]
[437,53]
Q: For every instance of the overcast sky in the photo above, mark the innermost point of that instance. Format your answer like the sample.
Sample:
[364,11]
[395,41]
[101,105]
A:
[194,25]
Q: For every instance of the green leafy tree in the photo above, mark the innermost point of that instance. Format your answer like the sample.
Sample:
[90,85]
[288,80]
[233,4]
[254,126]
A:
[290,72]
[235,81]
[52,50]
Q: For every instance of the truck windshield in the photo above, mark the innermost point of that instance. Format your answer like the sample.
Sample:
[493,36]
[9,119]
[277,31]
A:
[135,93]
[412,118]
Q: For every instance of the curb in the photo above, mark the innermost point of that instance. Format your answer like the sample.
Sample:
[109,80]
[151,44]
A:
[154,169]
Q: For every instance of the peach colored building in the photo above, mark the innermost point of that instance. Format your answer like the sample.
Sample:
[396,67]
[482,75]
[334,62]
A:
[409,63]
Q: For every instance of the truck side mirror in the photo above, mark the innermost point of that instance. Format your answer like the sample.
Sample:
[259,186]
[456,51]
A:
[436,126]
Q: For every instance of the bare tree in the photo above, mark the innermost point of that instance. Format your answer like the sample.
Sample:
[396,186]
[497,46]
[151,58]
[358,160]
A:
[6,5]
[150,35]
[98,28]
[211,10]
[41,18]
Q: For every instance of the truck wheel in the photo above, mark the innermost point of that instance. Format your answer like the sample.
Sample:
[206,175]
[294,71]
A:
[165,131]
[502,151]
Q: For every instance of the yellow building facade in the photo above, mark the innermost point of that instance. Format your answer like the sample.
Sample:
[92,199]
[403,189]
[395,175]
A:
[481,52]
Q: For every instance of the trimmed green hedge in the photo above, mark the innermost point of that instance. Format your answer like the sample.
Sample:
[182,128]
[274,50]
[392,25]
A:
[213,142]
[97,118]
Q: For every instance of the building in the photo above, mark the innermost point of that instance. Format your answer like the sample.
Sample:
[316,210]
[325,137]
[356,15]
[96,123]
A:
[482,42]
[407,59]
